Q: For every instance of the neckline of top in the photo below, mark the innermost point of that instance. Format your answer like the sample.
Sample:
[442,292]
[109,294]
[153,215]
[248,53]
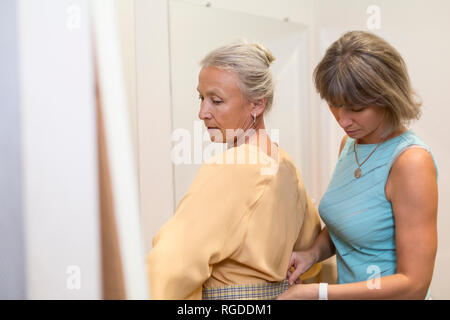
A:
[368,145]
[257,148]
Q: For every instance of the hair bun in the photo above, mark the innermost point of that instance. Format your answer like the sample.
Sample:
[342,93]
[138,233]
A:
[269,56]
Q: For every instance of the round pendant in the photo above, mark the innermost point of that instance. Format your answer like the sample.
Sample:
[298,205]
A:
[358,173]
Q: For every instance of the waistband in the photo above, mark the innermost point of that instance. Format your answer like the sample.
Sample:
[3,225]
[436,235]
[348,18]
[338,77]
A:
[257,291]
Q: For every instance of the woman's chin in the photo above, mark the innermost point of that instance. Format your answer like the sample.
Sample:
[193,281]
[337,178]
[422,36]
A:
[215,138]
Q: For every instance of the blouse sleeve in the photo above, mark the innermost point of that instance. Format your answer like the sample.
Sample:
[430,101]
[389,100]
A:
[208,226]
[310,229]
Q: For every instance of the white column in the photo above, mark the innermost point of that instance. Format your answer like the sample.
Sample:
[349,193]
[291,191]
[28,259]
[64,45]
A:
[119,145]
[12,246]
[59,147]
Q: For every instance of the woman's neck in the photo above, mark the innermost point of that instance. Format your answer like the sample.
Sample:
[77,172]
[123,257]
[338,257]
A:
[377,137]
[255,136]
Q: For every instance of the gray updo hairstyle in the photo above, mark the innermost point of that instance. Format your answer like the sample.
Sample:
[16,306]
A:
[251,62]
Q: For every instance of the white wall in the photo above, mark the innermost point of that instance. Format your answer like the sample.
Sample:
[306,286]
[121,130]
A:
[155,116]
[126,23]
[59,151]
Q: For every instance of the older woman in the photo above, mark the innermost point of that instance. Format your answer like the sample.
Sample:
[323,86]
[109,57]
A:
[233,233]
[380,208]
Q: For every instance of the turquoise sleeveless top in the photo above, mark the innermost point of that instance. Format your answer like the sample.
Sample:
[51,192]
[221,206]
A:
[357,214]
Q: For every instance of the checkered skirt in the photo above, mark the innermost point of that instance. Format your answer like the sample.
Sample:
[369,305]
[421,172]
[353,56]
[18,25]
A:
[259,291]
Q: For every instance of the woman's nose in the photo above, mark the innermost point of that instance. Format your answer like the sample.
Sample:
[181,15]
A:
[344,118]
[203,113]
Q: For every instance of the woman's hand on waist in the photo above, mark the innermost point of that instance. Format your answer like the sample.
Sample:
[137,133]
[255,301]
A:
[300,262]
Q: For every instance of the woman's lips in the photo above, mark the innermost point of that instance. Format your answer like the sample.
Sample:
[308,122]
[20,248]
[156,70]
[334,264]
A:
[350,132]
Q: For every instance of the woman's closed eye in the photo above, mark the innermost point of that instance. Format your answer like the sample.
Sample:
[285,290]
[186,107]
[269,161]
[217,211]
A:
[213,100]
[354,109]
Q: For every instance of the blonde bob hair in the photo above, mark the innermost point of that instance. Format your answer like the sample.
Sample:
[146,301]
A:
[251,62]
[362,69]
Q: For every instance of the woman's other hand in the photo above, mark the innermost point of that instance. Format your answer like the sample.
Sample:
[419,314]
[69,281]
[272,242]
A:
[300,262]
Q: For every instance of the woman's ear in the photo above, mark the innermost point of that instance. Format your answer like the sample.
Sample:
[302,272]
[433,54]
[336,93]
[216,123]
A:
[258,106]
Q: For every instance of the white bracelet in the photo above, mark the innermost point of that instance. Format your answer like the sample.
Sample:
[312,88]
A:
[323,291]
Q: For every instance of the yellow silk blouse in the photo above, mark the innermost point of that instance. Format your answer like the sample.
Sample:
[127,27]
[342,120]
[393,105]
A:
[238,223]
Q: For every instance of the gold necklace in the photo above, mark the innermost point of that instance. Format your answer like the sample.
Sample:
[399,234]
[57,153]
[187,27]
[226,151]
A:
[358,171]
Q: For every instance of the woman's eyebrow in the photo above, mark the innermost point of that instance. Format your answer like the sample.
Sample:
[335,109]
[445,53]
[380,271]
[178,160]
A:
[212,92]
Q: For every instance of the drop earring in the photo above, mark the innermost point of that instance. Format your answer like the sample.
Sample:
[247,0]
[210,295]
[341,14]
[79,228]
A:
[254,118]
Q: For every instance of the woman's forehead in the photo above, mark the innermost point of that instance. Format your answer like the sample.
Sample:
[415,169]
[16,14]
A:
[215,80]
